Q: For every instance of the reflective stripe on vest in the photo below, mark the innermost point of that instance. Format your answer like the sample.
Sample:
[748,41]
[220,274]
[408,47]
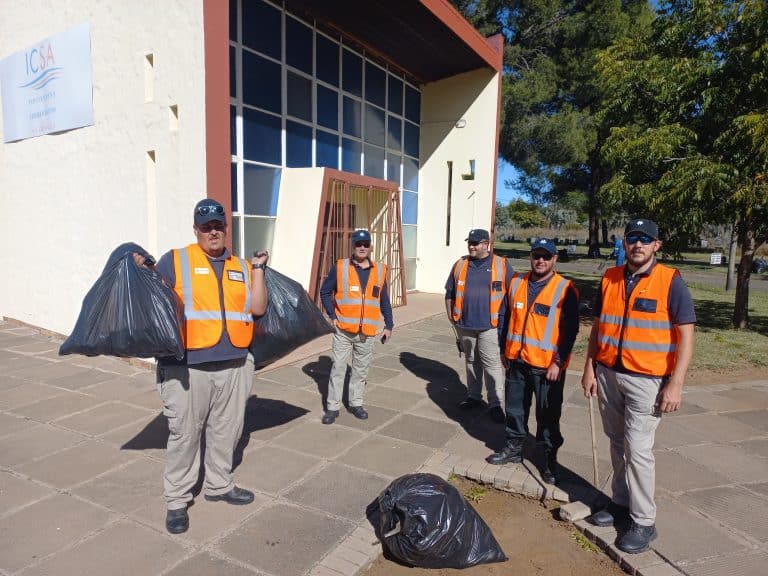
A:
[646,336]
[498,274]
[204,325]
[359,313]
[525,337]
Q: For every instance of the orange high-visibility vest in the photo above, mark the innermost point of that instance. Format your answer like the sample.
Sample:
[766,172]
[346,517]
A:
[534,331]
[641,325]
[198,288]
[498,274]
[355,311]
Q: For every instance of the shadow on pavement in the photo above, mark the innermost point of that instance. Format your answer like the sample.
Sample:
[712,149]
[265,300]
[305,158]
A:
[261,414]
[320,371]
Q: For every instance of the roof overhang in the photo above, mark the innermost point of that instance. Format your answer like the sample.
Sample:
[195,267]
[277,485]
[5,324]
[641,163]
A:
[427,39]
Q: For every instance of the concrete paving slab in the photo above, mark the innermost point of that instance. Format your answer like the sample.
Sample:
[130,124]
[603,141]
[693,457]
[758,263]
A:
[125,489]
[12,365]
[714,402]
[579,466]
[378,375]
[758,447]
[205,564]
[123,549]
[119,387]
[443,407]
[45,527]
[208,521]
[79,380]
[339,490]
[294,376]
[35,443]
[7,382]
[386,456]
[35,346]
[385,397]
[317,439]
[676,473]
[11,423]
[578,439]
[272,469]
[377,417]
[16,492]
[103,418]
[27,393]
[718,428]
[109,364]
[755,418]
[75,465]
[755,398]
[148,436]
[266,418]
[673,433]
[424,431]
[760,488]
[745,564]
[466,446]
[390,361]
[57,407]
[50,372]
[285,540]
[307,400]
[149,399]
[407,381]
[728,460]
[734,506]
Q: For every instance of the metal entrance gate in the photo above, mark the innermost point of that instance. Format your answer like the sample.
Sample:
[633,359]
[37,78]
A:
[349,207]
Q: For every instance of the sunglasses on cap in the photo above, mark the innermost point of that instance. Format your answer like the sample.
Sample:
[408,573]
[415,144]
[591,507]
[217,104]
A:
[644,239]
[215,209]
[363,243]
[541,256]
[210,226]
[476,243]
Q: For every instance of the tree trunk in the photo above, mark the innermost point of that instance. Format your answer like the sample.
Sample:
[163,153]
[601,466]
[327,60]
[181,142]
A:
[594,213]
[746,233]
[730,277]
[604,226]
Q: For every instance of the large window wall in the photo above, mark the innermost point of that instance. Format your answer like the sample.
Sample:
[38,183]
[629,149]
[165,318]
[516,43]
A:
[302,98]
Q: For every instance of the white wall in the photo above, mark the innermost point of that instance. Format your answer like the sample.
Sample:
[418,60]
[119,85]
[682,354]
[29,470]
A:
[67,200]
[296,225]
[471,97]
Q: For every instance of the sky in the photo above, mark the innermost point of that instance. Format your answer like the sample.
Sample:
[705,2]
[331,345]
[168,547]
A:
[505,172]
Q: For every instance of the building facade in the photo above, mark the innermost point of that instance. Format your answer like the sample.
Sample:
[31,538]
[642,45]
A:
[305,118]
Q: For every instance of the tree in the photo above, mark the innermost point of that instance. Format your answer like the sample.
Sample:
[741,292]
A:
[689,108]
[551,127]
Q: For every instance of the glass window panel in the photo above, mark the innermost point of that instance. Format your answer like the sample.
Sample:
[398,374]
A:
[374,125]
[299,96]
[350,155]
[395,95]
[327,60]
[233,20]
[259,233]
[394,133]
[262,25]
[298,145]
[232,131]
[411,138]
[236,235]
[261,137]
[393,168]
[412,104]
[261,83]
[232,72]
[352,73]
[410,274]
[374,161]
[375,84]
[261,189]
[327,149]
[411,174]
[233,186]
[327,107]
[410,208]
[298,45]
[409,241]
[352,120]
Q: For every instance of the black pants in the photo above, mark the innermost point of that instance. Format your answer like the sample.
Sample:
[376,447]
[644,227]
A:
[521,383]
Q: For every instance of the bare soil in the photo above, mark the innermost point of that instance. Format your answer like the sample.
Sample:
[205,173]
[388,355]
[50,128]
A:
[532,539]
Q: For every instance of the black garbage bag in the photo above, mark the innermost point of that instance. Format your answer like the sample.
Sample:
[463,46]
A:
[437,527]
[291,320]
[128,312]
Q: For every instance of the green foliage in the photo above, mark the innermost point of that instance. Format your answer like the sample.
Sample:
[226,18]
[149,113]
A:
[474,493]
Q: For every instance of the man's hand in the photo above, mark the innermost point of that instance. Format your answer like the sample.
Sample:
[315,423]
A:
[386,335]
[553,372]
[143,261]
[670,397]
[589,382]
[260,257]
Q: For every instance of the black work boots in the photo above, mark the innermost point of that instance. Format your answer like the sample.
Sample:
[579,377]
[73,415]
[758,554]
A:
[511,453]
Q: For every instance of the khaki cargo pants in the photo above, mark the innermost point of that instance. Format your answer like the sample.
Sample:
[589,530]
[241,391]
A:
[211,396]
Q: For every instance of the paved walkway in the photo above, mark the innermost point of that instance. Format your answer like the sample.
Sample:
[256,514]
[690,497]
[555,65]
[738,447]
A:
[82,447]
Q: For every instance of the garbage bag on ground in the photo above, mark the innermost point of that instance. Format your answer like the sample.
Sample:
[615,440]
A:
[128,312]
[425,522]
[291,320]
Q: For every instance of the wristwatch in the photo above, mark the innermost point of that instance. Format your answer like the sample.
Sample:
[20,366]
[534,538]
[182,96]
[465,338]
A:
[258,266]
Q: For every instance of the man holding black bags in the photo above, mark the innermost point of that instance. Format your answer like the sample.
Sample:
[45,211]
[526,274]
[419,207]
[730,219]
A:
[209,388]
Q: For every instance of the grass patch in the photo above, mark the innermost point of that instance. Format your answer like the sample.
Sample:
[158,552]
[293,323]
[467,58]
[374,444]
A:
[583,542]
[474,494]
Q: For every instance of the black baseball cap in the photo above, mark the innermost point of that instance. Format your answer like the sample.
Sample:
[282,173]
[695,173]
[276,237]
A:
[478,235]
[644,226]
[208,210]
